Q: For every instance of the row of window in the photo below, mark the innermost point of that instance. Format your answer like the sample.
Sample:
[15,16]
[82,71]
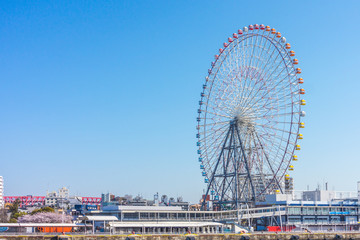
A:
[166,215]
[321,210]
[313,220]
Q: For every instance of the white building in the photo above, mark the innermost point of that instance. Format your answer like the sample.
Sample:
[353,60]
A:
[1,192]
[57,199]
[63,192]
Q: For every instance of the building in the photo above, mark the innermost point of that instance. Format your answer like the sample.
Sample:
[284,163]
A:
[57,199]
[151,219]
[91,201]
[2,203]
[316,210]
[26,201]
[51,199]
[63,192]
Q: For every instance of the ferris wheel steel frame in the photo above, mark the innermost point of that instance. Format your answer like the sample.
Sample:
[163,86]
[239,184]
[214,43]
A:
[249,118]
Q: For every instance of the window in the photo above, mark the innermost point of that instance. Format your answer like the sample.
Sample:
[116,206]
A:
[294,219]
[309,210]
[335,219]
[144,215]
[323,210]
[131,216]
[309,220]
[294,210]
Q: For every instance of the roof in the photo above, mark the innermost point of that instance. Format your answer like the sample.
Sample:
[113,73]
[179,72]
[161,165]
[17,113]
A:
[164,224]
[42,225]
[141,208]
[101,218]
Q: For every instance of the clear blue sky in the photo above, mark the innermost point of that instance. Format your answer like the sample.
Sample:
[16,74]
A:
[102,96]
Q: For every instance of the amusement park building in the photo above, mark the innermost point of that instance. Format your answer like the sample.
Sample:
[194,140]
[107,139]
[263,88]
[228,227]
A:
[315,210]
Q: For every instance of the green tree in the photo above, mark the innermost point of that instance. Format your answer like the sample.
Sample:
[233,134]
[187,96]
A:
[43,209]
[14,210]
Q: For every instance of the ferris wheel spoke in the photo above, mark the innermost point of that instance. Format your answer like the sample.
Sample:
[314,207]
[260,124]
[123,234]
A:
[278,140]
[217,114]
[279,145]
[214,123]
[260,75]
[283,97]
[214,135]
[274,61]
[273,128]
[248,102]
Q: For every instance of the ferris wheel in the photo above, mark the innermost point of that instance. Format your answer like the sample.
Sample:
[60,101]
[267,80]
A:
[249,118]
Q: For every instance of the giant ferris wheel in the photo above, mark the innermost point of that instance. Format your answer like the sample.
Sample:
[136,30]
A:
[249,118]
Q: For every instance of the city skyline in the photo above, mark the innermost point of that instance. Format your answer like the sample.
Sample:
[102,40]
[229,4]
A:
[97,95]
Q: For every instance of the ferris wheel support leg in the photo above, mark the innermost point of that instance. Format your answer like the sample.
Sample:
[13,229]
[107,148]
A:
[216,166]
[236,174]
[267,159]
[246,164]
[231,143]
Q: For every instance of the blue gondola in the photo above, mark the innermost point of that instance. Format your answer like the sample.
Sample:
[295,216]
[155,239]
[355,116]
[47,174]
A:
[198,144]
[201,166]
[201,102]
[199,151]
[199,110]
[197,135]
[198,119]
[203,173]
[206,180]
[216,197]
[212,192]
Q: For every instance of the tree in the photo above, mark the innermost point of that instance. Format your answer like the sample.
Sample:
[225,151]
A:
[40,210]
[17,215]
[14,207]
[45,217]
[3,216]
[14,210]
